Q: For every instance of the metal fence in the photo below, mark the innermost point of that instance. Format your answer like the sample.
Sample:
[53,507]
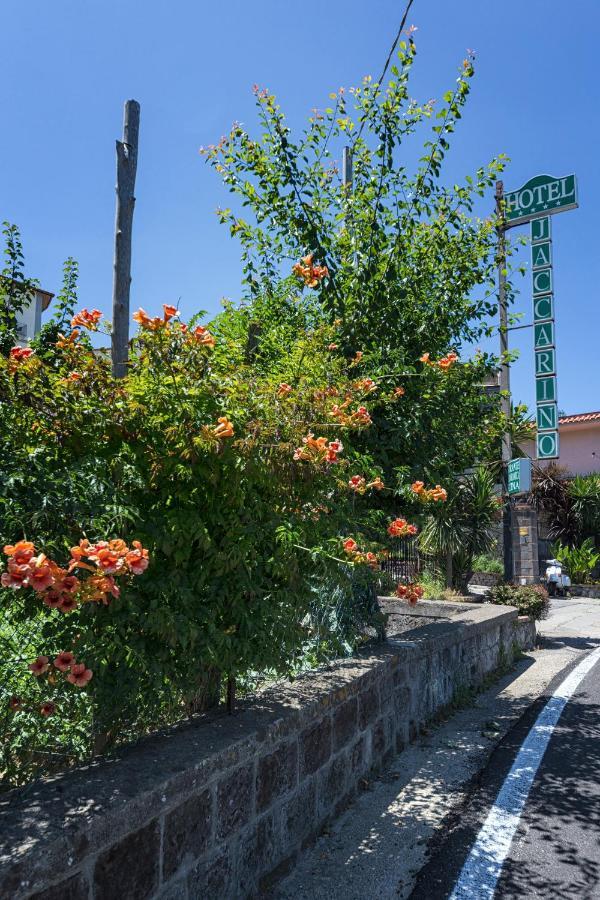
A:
[405,563]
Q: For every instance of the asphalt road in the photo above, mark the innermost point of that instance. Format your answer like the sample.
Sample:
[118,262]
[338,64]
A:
[555,852]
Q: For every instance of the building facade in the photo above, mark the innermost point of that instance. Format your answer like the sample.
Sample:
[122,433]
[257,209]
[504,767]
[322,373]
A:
[29,320]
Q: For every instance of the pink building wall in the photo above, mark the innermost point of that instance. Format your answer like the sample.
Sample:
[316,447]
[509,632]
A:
[579,446]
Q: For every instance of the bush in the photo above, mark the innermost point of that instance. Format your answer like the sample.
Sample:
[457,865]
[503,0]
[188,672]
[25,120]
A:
[580,561]
[207,455]
[529,599]
[486,563]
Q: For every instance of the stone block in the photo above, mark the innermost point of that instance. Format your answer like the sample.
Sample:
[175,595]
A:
[297,817]
[315,746]
[212,876]
[358,759]
[74,888]
[368,706]
[129,868]
[257,855]
[277,773]
[187,832]
[345,721]
[234,801]
[332,784]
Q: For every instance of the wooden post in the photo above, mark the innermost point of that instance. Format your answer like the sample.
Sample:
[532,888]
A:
[126,170]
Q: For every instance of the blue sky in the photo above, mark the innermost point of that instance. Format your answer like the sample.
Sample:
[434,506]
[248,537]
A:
[67,66]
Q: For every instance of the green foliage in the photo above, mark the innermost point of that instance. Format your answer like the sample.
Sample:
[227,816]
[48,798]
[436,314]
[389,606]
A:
[484,562]
[580,561]
[530,599]
[464,526]
[64,310]
[571,505]
[15,289]
[410,269]
[248,571]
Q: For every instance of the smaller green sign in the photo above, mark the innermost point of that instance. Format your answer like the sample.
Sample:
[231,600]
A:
[547,417]
[541,229]
[542,281]
[545,362]
[541,254]
[541,196]
[543,308]
[548,445]
[519,476]
[545,389]
[543,335]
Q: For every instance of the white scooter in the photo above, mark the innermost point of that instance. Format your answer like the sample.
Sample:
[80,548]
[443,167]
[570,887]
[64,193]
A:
[558,582]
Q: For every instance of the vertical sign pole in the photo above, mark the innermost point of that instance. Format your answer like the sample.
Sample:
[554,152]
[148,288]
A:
[126,171]
[347,167]
[504,378]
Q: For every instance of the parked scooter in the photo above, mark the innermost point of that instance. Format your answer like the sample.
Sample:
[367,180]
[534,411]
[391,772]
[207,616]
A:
[558,582]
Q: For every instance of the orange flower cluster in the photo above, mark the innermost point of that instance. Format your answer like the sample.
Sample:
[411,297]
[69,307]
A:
[75,673]
[399,392]
[359,484]
[200,335]
[79,674]
[284,389]
[365,386]
[358,418]
[154,323]
[19,353]
[445,363]
[318,450]
[224,429]
[357,556]
[59,588]
[86,319]
[437,494]
[411,592]
[310,274]
[401,528]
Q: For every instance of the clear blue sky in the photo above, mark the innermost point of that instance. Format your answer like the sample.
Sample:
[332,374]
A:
[67,66]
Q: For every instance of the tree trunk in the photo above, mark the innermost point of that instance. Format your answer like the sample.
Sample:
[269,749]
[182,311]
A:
[449,572]
[126,171]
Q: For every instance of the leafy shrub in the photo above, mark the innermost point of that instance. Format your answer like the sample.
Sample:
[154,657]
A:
[580,561]
[210,458]
[483,562]
[530,599]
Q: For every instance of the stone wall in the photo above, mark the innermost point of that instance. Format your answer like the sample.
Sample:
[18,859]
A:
[586,590]
[485,579]
[221,807]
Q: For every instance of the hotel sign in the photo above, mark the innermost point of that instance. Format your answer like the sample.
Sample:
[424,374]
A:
[539,197]
[535,202]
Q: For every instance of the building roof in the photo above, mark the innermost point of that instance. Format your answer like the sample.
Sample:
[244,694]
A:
[46,297]
[579,417]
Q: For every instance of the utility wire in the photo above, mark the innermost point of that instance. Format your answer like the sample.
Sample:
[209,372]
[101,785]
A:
[388,60]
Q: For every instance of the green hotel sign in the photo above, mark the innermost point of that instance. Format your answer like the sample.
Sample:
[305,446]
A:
[539,197]
[519,476]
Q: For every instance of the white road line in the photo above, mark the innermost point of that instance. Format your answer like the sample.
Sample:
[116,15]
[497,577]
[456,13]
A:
[480,873]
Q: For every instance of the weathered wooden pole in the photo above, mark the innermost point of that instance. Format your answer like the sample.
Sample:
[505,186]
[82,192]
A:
[127,150]
[504,381]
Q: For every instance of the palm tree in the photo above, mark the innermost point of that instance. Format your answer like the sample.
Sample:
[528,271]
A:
[464,526]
